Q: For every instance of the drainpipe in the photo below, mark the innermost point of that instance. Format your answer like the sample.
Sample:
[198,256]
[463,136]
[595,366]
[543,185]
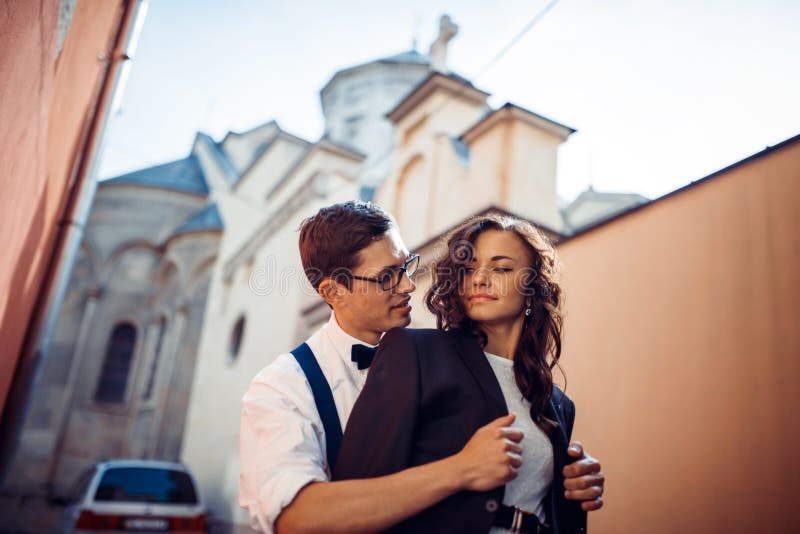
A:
[53,290]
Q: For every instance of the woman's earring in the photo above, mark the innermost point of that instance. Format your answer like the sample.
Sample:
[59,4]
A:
[527,312]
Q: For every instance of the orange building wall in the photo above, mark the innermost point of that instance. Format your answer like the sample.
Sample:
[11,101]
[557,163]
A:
[45,109]
[682,353]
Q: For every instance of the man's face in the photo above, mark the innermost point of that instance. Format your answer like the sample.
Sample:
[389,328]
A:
[366,311]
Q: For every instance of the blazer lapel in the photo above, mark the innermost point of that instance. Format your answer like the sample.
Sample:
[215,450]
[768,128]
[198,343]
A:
[475,360]
[558,437]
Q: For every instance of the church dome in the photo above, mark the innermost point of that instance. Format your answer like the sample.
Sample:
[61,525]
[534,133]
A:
[410,57]
[355,100]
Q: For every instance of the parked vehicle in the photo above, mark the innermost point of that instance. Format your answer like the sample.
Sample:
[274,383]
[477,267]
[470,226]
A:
[142,496]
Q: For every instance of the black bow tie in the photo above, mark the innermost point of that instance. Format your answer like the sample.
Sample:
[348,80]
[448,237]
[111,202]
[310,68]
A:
[362,355]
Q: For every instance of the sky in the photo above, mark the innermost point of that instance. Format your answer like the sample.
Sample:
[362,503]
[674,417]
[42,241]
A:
[662,93]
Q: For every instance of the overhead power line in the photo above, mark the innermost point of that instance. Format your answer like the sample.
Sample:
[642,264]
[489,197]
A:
[514,40]
[508,46]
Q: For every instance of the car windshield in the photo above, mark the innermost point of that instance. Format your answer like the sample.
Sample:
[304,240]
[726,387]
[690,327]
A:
[146,484]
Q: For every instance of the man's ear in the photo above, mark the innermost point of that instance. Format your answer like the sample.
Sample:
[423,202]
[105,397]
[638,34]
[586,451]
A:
[331,292]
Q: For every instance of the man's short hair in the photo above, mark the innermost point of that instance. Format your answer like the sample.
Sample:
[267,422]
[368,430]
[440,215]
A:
[331,240]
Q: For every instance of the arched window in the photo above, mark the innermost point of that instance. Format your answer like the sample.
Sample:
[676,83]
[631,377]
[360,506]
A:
[117,364]
[151,375]
[236,338]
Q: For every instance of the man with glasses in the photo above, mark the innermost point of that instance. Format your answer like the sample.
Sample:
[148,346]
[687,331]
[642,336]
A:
[391,276]
[295,409]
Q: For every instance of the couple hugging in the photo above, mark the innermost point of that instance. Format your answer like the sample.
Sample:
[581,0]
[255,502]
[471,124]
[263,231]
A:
[456,429]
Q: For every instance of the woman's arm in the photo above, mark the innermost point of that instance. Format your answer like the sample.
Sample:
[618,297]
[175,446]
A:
[375,504]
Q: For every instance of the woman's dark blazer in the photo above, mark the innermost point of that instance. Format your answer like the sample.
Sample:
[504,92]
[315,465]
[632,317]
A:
[427,393]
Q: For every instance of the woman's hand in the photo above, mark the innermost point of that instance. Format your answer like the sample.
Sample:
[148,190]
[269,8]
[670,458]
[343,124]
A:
[583,478]
[491,456]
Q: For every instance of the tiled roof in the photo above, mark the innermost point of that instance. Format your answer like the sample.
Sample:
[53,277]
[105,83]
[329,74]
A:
[206,219]
[182,175]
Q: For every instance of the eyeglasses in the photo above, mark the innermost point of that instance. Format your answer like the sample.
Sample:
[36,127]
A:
[391,278]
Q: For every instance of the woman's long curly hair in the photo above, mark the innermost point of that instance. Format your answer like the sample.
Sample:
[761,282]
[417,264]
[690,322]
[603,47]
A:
[539,347]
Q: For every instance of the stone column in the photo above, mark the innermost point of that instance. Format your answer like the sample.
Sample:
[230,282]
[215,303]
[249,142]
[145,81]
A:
[140,379]
[170,355]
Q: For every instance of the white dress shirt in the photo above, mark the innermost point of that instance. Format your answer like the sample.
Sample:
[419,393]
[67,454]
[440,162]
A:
[282,440]
[535,475]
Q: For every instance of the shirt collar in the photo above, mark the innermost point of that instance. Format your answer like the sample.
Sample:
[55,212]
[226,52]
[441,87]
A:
[342,341]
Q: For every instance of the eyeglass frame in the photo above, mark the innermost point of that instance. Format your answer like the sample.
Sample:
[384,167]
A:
[402,270]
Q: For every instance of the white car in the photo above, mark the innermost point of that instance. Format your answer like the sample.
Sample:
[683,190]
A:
[139,496]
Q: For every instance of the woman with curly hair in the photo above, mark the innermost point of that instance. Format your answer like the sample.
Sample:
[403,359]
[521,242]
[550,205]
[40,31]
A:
[497,302]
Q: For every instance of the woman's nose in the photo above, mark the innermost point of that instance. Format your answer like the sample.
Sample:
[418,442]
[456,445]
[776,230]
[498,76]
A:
[480,277]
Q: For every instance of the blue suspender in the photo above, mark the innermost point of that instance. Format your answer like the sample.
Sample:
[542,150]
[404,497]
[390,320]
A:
[323,398]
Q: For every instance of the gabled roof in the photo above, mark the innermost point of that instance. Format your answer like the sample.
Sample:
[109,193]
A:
[273,133]
[326,144]
[183,175]
[601,206]
[454,83]
[231,133]
[590,195]
[262,149]
[230,172]
[512,110]
[207,219]
[411,57]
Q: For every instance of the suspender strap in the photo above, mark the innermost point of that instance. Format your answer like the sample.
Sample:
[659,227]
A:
[323,398]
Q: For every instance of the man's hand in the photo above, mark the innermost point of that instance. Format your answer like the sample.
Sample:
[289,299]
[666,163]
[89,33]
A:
[491,456]
[583,479]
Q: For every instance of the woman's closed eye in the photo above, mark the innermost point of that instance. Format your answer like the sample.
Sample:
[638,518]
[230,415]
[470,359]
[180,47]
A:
[471,270]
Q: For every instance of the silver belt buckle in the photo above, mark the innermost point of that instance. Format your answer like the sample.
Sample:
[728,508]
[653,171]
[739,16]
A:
[516,522]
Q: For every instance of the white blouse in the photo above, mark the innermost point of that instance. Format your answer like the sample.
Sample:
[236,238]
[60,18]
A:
[535,475]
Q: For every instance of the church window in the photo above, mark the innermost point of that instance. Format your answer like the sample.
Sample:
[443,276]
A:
[236,337]
[352,125]
[356,93]
[117,364]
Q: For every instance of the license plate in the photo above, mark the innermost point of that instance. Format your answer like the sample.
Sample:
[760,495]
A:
[145,523]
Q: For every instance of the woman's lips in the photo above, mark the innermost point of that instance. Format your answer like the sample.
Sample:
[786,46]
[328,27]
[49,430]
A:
[482,298]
